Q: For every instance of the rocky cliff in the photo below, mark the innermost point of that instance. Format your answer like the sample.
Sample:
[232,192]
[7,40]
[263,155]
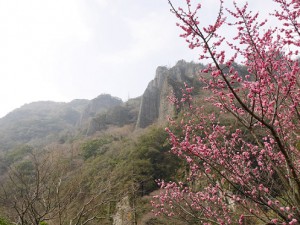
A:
[155,106]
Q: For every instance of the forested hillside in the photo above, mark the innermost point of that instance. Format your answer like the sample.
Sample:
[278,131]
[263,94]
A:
[90,161]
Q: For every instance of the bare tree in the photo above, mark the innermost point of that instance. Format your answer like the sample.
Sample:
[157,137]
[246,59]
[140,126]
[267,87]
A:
[42,189]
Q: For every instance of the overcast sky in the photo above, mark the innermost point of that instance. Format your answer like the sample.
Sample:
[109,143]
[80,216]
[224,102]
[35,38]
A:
[68,49]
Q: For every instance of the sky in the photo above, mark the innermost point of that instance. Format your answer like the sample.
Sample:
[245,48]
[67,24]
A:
[61,50]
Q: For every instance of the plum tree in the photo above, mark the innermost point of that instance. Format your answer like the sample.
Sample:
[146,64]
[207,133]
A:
[234,179]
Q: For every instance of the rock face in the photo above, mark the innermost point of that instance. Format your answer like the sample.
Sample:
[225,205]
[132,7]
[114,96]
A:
[124,213]
[155,106]
[149,109]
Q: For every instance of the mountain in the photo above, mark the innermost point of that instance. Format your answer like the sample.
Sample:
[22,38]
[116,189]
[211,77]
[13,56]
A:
[34,121]
[43,122]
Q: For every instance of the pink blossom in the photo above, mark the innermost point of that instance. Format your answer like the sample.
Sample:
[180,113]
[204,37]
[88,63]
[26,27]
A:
[249,169]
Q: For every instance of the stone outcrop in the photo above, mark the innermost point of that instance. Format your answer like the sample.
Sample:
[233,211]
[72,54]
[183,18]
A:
[155,106]
[124,213]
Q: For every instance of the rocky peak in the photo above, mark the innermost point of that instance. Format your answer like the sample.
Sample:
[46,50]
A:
[160,76]
[154,105]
